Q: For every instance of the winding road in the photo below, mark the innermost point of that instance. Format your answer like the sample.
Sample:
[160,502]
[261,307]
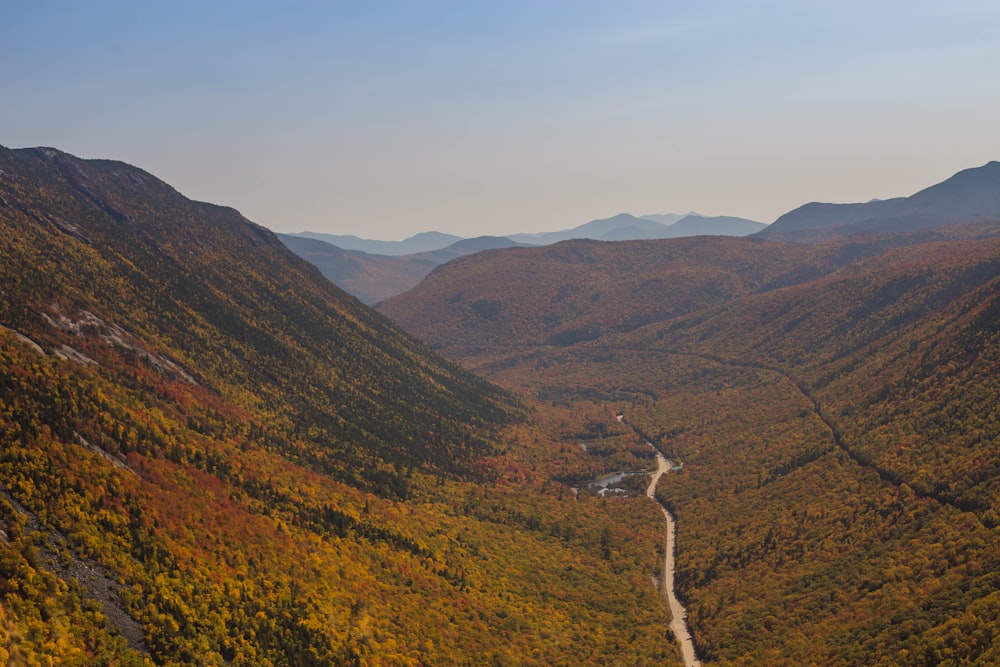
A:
[678,616]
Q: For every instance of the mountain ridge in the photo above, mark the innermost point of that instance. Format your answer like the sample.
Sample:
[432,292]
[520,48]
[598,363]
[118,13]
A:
[202,432]
[373,278]
[835,428]
[969,196]
[572,290]
[376,277]
[149,229]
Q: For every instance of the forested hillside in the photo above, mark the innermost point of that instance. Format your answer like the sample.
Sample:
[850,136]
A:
[107,260]
[849,437]
[838,434]
[579,290]
[210,455]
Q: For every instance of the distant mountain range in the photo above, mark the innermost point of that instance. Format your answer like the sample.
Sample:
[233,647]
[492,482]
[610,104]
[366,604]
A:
[376,270]
[625,227]
[622,227]
[421,242]
[666,218]
[373,277]
[970,196]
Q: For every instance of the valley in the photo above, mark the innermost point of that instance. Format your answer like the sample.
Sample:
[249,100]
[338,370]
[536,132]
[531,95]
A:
[837,503]
[499,334]
[678,616]
[256,469]
[269,471]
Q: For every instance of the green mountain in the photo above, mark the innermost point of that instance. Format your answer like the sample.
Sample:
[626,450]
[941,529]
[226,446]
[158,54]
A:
[211,455]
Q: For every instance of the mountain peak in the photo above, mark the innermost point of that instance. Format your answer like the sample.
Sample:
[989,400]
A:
[969,196]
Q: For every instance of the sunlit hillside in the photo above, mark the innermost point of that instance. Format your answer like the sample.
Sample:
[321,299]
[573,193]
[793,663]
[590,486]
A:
[210,455]
[836,438]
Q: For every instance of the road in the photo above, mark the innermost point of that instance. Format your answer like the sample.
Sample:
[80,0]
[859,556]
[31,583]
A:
[678,616]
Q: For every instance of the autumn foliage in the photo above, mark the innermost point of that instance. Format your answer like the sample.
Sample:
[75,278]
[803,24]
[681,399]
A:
[838,502]
[210,455]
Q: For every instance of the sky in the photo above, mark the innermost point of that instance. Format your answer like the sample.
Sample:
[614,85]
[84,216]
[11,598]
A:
[388,118]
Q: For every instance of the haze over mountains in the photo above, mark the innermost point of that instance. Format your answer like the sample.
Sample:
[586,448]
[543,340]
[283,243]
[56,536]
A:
[422,242]
[210,454]
[971,195]
[377,270]
[626,227]
[622,227]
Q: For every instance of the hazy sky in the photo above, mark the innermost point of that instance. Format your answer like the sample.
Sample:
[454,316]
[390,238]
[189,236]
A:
[384,119]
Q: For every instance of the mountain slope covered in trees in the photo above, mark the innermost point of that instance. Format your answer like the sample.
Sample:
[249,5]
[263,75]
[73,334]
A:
[849,438]
[211,455]
[579,290]
[837,495]
[230,307]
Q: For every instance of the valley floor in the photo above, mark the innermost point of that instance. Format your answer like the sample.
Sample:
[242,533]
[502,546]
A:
[678,615]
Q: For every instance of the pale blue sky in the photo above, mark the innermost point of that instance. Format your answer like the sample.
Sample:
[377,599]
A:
[384,119]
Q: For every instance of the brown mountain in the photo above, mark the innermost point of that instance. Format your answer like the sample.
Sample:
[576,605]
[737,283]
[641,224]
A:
[835,428]
[209,454]
[579,290]
[970,196]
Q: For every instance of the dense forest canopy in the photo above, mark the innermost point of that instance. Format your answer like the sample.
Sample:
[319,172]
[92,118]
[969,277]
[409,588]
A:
[838,501]
[211,455]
